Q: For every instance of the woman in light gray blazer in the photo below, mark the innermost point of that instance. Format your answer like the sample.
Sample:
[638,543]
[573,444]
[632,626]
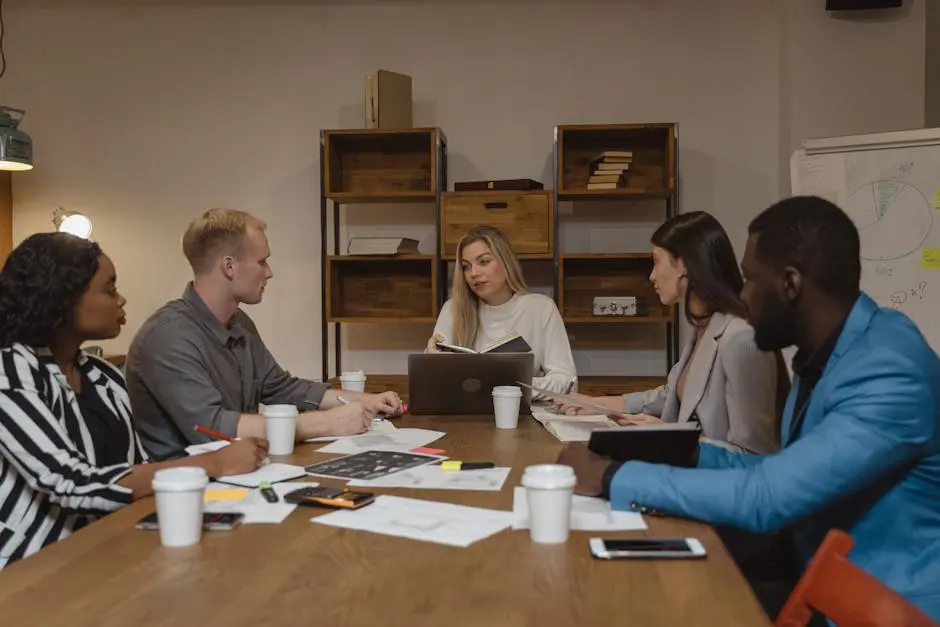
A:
[734,390]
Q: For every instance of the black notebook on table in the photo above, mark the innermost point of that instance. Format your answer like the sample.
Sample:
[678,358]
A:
[672,443]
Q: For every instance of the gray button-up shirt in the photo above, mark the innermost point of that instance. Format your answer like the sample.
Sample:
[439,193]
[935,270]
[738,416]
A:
[185,368]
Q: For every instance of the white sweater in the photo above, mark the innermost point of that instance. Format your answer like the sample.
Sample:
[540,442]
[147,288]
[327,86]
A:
[536,318]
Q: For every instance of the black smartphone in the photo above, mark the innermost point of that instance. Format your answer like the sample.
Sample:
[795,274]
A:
[210,521]
[329,497]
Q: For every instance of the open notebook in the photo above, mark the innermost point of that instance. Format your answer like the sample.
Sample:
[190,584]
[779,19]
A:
[509,343]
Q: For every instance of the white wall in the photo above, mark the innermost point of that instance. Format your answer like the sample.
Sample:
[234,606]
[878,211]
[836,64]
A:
[144,117]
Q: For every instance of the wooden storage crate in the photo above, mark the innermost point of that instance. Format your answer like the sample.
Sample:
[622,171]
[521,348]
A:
[381,288]
[524,216]
[381,165]
[651,174]
[583,277]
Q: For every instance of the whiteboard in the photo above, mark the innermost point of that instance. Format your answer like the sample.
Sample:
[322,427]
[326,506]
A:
[889,184]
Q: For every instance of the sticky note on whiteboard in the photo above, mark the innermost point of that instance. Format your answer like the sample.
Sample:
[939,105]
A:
[936,199]
[930,260]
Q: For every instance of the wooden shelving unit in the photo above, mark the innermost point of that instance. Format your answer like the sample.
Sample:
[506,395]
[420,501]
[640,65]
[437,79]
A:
[580,277]
[360,166]
[367,166]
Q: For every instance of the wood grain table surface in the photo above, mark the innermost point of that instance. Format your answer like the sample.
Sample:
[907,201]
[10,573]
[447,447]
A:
[298,573]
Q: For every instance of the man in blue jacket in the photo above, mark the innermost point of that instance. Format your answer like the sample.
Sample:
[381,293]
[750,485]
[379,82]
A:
[861,427]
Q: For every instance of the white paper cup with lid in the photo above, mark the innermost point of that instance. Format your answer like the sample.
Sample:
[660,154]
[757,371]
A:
[280,425]
[506,400]
[353,381]
[180,493]
[549,488]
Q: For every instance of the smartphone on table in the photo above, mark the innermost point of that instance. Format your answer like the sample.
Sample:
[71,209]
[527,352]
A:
[323,496]
[210,522]
[646,548]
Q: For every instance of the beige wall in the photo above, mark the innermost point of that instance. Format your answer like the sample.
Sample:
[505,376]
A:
[932,69]
[143,117]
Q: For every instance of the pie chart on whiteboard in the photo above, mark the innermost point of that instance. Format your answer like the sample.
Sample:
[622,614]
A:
[893,219]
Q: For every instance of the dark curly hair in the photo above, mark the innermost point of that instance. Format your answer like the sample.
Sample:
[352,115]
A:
[40,285]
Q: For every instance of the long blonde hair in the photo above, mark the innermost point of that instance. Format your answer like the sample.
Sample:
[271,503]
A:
[465,305]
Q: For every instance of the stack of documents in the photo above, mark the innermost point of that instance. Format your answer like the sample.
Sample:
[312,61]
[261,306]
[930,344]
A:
[398,440]
[430,521]
[378,426]
[433,477]
[575,428]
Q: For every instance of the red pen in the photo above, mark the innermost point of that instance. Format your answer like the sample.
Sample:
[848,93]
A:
[213,434]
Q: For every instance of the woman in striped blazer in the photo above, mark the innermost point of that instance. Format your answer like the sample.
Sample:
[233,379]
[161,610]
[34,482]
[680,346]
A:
[68,450]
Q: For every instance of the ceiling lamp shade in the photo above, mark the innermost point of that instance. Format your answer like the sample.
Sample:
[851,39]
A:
[71,222]
[16,147]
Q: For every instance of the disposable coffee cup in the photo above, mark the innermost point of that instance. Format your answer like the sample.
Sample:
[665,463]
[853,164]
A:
[180,493]
[549,488]
[506,400]
[280,424]
[353,381]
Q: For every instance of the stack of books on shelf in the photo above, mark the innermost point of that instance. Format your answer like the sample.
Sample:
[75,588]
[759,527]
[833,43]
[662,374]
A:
[609,169]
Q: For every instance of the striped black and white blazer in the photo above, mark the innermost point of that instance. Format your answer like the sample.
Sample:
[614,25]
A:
[50,484]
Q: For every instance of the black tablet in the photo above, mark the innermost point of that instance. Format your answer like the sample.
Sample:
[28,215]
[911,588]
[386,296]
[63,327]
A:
[670,443]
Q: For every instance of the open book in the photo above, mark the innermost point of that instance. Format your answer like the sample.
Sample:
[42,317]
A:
[509,343]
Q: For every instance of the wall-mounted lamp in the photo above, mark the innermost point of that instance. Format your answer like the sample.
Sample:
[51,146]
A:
[16,147]
[71,222]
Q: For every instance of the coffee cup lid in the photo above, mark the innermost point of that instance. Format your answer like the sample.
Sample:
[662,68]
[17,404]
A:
[279,411]
[180,479]
[507,390]
[549,477]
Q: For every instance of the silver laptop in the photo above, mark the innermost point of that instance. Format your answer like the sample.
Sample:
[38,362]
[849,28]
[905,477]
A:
[457,383]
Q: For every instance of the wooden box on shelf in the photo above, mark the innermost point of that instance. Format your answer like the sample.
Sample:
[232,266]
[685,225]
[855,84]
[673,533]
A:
[584,277]
[524,216]
[648,149]
[372,288]
[381,165]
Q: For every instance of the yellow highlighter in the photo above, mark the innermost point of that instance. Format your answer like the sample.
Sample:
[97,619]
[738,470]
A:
[454,465]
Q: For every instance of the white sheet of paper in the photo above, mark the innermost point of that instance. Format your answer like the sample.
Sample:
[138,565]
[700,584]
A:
[587,514]
[436,478]
[399,440]
[381,426]
[272,473]
[430,521]
[255,508]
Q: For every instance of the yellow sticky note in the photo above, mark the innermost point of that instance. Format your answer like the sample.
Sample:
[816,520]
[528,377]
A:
[930,259]
[226,494]
[936,199]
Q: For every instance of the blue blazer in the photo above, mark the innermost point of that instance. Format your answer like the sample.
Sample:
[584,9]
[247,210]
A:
[867,461]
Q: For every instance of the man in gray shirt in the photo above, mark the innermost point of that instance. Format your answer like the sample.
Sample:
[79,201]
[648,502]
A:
[199,359]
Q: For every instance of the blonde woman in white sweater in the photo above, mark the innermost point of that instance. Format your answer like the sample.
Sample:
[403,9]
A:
[490,299]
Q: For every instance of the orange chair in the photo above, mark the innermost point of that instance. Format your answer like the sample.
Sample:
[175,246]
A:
[846,594]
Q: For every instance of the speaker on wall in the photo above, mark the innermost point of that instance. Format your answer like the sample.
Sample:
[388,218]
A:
[862,5]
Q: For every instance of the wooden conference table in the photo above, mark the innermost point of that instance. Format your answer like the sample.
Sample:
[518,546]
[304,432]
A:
[298,573]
